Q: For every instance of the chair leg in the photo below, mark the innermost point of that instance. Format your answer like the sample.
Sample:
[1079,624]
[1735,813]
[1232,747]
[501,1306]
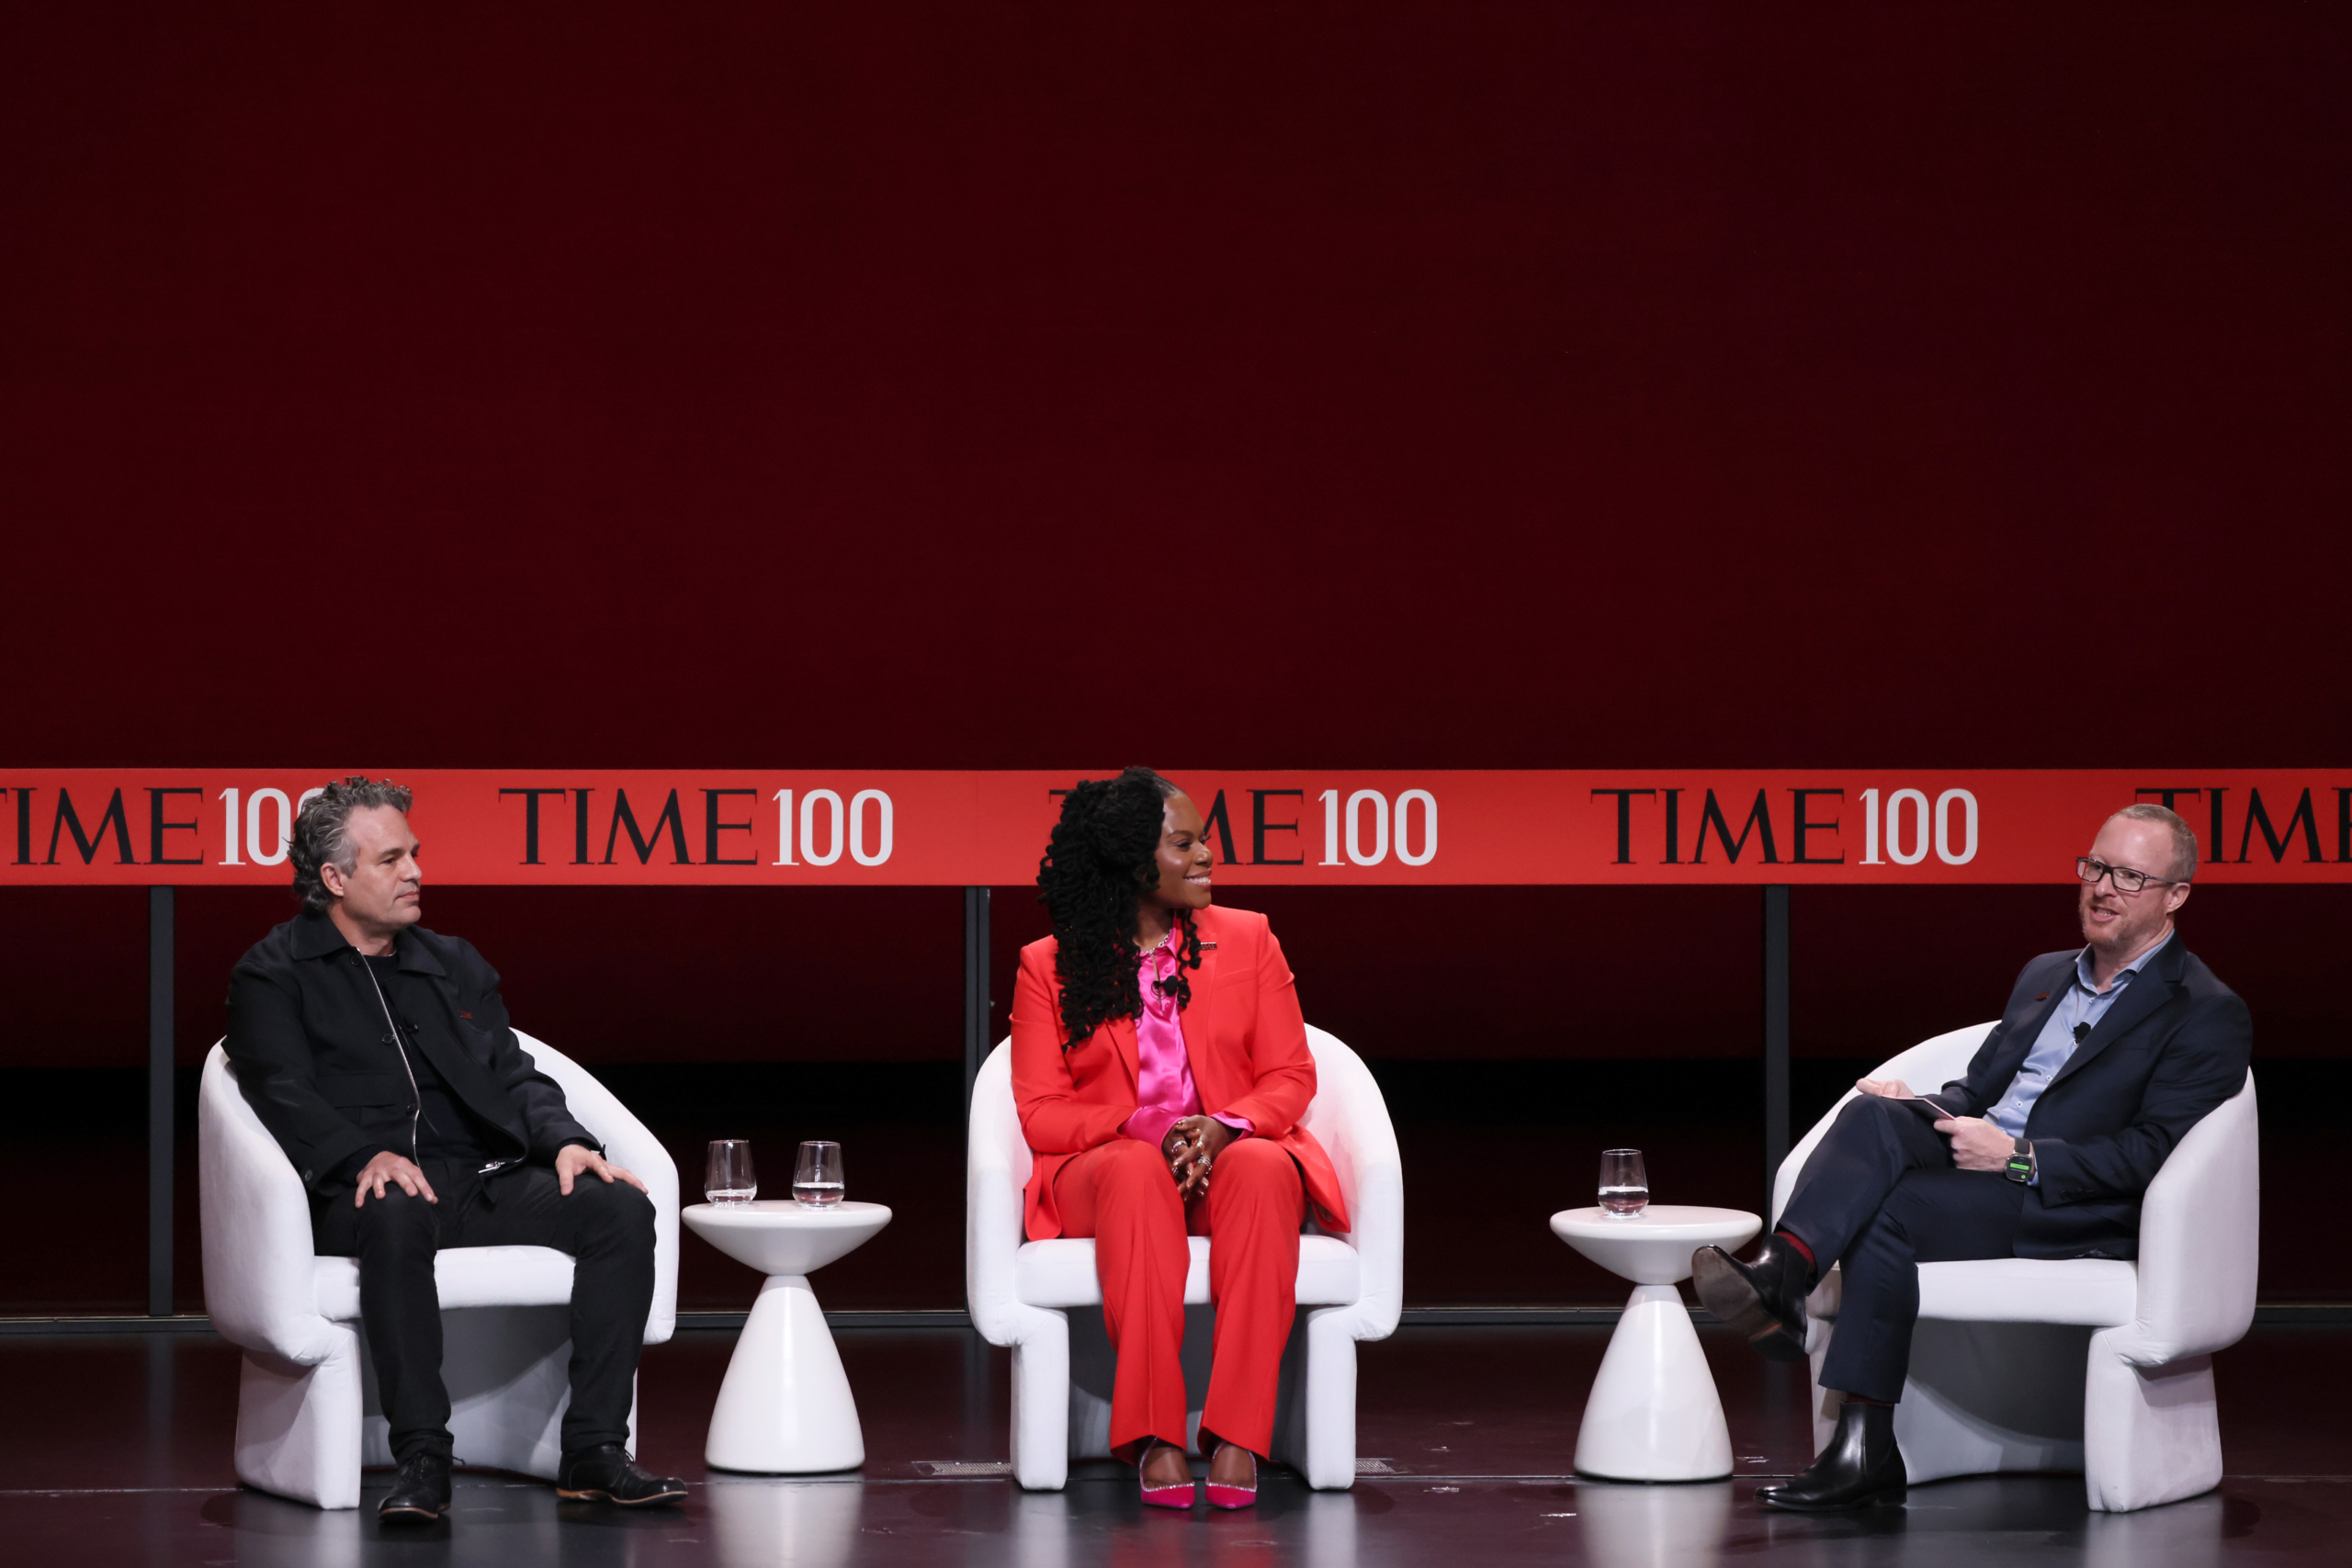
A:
[1041,1402]
[2150,1434]
[1330,1398]
[298,1426]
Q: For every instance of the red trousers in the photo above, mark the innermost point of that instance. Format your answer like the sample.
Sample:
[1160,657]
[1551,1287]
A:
[1120,1193]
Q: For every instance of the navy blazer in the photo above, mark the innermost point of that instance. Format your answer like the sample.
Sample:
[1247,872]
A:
[318,1065]
[2175,1046]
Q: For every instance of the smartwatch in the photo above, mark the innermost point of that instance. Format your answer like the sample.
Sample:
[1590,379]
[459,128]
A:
[2020,1166]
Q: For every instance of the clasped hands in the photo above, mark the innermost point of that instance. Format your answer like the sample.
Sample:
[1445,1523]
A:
[388,1169]
[1192,1147]
[1976,1144]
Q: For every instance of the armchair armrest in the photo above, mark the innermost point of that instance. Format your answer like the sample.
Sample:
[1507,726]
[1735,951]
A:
[1350,1119]
[2200,1240]
[628,1143]
[259,1270]
[997,1163]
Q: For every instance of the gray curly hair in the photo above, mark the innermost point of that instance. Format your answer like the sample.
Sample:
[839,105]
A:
[323,833]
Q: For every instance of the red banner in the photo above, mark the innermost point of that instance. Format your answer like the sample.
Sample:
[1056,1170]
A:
[816,826]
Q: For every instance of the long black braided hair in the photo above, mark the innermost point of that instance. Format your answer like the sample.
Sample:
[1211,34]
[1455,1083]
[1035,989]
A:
[1100,862]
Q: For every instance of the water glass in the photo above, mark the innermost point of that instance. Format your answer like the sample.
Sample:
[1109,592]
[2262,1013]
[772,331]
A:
[726,1174]
[1625,1184]
[817,1179]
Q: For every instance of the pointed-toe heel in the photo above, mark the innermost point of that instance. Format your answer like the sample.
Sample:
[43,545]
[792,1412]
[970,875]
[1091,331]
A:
[1236,1496]
[1171,1496]
[1176,1496]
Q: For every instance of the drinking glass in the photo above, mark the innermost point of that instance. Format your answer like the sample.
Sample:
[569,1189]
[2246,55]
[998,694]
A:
[726,1174]
[817,1179]
[1625,1184]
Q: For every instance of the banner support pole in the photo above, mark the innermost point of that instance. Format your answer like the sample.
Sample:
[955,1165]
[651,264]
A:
[159,954]
[976,1022]
[1776,1037]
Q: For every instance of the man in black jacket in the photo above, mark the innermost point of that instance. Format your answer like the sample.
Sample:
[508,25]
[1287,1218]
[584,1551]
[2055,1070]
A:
[2103,1060]
[379,1055]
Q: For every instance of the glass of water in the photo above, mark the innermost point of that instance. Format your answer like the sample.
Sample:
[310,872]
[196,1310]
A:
[1625,1184]
[817,1179]
[726,1174]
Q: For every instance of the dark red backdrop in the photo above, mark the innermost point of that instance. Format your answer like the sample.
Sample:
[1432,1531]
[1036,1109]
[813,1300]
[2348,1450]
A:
[1337,385]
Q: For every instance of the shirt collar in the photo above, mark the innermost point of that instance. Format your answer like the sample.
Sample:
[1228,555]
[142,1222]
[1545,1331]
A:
[315,936]
[2086,977]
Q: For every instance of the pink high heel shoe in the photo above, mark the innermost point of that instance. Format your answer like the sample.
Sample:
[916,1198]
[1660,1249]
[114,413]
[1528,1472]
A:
[1236,1496]
[1163,1496]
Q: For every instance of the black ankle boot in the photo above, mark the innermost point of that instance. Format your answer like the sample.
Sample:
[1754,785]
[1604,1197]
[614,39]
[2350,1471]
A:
[1860,1465]
[1762,1295]
[420,1492]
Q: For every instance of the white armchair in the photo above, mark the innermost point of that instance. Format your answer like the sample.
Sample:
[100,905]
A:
[307,1416]
[2002,1344]
[1042,1297]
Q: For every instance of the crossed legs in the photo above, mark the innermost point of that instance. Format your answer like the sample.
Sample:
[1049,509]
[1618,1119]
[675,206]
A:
[1880,1195]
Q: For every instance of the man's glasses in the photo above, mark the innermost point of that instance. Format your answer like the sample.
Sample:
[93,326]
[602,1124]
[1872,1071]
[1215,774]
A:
[2127,881]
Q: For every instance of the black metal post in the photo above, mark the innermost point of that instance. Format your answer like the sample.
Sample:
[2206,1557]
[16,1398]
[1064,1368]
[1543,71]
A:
[977,1025]
[159,1101]
[1776,1036]
[977,1039]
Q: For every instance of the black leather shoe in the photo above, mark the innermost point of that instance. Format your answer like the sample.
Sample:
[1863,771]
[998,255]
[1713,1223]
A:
[1861,1466]
[1762,1296]
[420,1492]
[607,1474]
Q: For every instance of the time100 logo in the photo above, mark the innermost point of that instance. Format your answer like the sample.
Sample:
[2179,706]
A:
[1903,828]
[1375,829]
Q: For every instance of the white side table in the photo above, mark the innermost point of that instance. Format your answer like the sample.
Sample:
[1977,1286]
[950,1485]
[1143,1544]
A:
[1654,1414]
[785,1407]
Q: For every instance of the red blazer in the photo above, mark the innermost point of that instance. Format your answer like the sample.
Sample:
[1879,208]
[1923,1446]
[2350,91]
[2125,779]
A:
[1243,1035]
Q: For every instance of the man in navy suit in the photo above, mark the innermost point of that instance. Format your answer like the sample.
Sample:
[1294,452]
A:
[2103,1060]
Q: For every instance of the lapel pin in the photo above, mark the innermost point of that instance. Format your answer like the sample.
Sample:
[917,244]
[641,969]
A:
[2041,996]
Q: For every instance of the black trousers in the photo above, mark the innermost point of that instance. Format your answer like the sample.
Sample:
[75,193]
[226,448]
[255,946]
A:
[1879,1195]
[608,1228]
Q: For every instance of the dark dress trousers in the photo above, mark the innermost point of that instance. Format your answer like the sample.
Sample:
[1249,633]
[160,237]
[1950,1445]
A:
[1880,1193]
[322,1066]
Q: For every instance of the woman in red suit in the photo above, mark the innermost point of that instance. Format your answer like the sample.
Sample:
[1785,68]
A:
[1161,1065]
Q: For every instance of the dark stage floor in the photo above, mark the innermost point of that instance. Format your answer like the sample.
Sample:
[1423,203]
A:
[118,1452]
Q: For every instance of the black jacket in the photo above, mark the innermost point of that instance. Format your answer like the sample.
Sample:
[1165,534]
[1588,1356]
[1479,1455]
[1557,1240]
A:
[2175,1046]
[320,1069]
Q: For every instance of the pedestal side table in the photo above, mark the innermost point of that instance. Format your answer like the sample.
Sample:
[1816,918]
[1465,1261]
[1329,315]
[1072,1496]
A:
[1654,1414]
[785,1407]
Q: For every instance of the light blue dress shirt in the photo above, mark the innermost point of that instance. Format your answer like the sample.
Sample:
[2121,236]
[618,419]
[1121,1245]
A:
[2054,1047]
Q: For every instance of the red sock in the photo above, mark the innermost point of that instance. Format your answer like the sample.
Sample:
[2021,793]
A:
[1798,1242]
